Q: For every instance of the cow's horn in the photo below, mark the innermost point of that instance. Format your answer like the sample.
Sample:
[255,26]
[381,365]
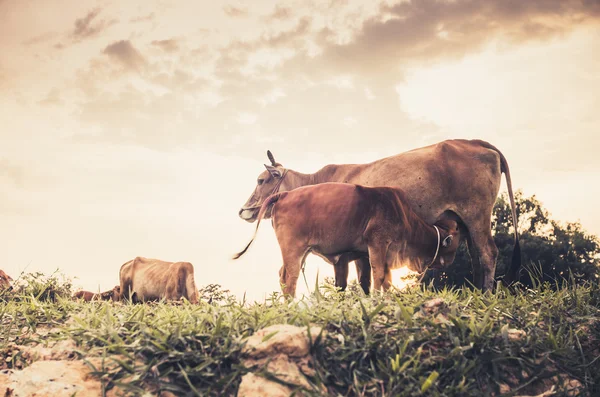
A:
[271,158]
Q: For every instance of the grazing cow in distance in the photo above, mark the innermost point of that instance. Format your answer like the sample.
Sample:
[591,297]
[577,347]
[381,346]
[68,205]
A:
[335,220]
[112,294]
[5,280]
[455,176]
[88,296]
[85,295]
[144,279]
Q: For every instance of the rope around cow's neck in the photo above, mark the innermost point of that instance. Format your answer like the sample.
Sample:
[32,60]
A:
[275,190]
[437,250]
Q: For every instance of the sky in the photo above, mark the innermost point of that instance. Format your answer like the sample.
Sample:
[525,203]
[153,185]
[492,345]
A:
[138,128]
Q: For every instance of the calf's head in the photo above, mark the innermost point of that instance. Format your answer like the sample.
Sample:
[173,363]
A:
[5,280]
[113,294]
[449,242]
[267,183]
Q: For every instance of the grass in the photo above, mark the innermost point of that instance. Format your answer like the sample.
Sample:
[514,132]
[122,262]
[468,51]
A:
[402,343]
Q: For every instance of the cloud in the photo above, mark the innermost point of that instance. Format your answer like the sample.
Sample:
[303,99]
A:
[12,173]
[280,13]
[144,18]
[235,12]
[42,38]
[430,29]
[89,26]
[384,42]
[169,45]
[126,54]
[53,98]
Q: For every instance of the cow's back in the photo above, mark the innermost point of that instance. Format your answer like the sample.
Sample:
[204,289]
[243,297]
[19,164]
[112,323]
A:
[148,277]
[436,177]
[154,279]
[326,216]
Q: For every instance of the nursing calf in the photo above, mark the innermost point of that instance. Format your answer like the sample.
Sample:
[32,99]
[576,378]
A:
[5,280]
[88,296]
[145,279]
[339,220]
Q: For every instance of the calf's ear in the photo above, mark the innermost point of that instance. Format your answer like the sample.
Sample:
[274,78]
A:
[274,171]
[447,241]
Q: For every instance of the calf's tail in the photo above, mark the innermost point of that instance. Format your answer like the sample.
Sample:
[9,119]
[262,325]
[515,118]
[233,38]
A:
[263,209]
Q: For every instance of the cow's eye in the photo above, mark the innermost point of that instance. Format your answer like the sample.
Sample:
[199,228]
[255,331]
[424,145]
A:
[260,181]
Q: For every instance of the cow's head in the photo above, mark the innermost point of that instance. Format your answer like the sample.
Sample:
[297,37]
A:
[5,280]
[267,183]
[449,242]
[113,294]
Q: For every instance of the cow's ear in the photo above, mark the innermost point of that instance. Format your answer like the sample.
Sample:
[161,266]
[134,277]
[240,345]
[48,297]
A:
[274,171]
[271,158]
[447,241]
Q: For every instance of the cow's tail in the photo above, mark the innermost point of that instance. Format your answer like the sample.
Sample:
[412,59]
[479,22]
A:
[263,209]
[512,272]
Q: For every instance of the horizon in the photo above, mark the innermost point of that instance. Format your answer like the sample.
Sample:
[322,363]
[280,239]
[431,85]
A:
[139,129]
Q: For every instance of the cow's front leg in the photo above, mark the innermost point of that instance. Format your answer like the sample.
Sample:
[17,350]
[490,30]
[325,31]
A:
[292,264]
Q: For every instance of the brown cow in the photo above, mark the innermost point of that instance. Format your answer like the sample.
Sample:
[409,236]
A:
[111,295]
[85,295]
[145,279]
[88,296]
[458,177]
[333,220]
[5,280]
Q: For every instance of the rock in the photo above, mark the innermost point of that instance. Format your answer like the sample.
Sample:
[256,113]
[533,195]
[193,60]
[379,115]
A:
[547,393]
[257,386]
[50,378]
[432,304]
[435,308]
[60,350]
[283,350]
[515,335]
[282,338]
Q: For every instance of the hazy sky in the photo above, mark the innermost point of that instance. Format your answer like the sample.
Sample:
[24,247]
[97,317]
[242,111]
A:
[138,128]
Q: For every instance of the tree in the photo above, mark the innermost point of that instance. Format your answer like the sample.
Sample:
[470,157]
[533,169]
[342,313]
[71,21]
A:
[551,251]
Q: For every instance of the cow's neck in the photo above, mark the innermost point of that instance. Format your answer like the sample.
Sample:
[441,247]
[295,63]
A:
[423,237]
[297,179]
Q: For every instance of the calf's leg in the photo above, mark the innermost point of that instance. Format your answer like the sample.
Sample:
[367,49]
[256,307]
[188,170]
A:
[387,278]
[292,264]
[341,272]
[377,257]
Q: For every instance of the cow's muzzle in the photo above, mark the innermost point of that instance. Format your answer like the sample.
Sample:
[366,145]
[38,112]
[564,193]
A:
[249,215]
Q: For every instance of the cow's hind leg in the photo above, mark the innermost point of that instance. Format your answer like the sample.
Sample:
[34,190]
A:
[125,289]
[483,252]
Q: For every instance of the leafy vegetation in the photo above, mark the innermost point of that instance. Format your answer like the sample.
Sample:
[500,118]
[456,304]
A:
[402,343]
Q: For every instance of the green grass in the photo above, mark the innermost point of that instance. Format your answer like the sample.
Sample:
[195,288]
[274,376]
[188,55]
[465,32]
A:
[385,344]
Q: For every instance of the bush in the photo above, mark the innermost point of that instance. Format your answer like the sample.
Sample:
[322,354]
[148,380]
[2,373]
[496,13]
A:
[42,287]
